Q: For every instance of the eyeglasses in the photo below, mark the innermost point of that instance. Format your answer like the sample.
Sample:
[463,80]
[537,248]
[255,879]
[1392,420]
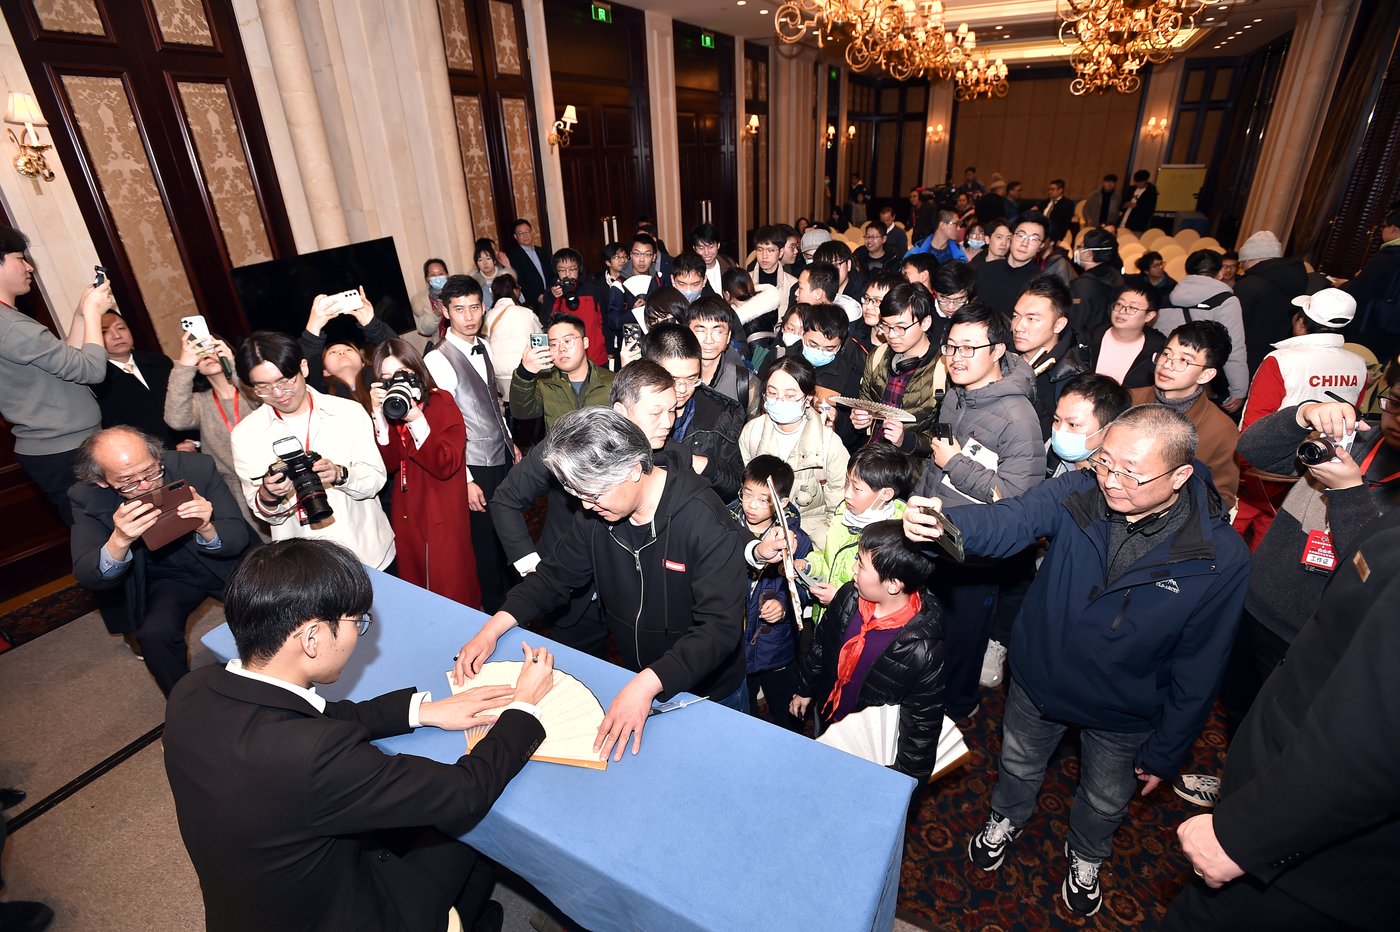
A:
[362,624]
[951,302]
[149,477]
[1128,481]
[872,300]
[280,387]
[567,343]
[1174,363]
[686,381]
[1028,237]
[1128,308]
[1389,404]
[642,254]
[589,497]
[966,352]
[754,498]
[894,330]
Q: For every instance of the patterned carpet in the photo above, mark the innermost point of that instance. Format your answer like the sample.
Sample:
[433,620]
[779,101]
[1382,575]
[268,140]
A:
[44,615]
[940,887]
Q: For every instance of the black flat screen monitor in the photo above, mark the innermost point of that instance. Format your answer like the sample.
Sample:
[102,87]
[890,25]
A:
[277,295]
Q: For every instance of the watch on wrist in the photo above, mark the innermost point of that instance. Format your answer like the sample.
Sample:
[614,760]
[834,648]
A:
[344,476]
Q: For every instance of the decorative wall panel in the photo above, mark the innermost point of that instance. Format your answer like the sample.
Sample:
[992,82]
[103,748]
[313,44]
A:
[219,150]
[183,22]
[503,29]
[456,36]
[522,159]
[108,131]
[471,135]
[78,16]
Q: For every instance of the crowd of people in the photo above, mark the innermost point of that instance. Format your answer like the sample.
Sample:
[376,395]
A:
[1152,483]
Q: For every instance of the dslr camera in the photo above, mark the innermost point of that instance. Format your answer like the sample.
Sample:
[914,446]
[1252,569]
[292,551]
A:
[402,392]
[1318,450]
[569,286]
[295,464]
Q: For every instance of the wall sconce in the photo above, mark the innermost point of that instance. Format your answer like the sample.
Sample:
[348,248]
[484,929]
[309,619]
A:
[751,128]
[830,135]
[851,132]
[936,134]
[563,128]
[1155,128]
[23,109]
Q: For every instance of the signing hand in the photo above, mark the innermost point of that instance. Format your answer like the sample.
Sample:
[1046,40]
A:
[129,522]
[326,471]
[466,709]
[1150,781]
[943,450]
[797,708]
[199,507]
[476,498]
[860,418]
[474,653]
[1208,859]
[627,716]
[536,676]
[893,431]
[919,526]
[1340,472]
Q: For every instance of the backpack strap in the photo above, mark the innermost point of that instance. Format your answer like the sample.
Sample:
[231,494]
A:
[1213,301]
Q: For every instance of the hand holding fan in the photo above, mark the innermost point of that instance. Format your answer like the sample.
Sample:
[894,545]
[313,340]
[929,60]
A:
[881,411]
[569,712]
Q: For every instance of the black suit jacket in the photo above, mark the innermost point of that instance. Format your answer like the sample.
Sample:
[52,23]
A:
[124,400]
[93,507]
[279,805]
[532,286]
[1060,217]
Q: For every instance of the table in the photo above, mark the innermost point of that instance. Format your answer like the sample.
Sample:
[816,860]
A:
[722,822]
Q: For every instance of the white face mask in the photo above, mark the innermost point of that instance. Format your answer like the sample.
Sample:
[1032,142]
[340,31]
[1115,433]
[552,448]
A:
[789,338]
[861,521]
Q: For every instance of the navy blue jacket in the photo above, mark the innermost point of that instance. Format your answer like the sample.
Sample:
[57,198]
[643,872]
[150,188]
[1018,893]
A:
[772,646]
[1145,653]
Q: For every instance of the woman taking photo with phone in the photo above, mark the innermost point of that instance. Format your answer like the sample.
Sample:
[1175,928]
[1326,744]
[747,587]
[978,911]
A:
[423,441]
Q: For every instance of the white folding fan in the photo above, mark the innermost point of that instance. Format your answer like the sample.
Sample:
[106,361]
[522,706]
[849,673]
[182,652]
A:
[873,733]
[569,712]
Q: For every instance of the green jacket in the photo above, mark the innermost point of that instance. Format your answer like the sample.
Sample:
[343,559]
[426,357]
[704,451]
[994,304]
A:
[550,393]
[922,395]
[836,561]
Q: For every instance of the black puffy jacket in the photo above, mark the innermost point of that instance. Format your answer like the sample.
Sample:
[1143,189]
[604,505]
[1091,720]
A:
[909,673]
[714,434]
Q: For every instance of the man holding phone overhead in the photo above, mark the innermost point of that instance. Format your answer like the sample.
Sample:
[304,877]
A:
[142,521]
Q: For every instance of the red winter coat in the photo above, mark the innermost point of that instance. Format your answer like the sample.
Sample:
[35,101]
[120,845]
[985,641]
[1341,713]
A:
[430,513]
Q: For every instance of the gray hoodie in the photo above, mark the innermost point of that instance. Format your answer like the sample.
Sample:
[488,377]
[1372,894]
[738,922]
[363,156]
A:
[1193,289]
[1001,418]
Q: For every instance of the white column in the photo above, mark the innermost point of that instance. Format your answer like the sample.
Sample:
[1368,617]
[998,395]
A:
[537,41]
[665,135]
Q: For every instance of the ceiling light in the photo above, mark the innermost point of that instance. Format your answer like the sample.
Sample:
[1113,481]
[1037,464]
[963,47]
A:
[997,28]
[1258,20]
[762,12]
[1250,26]
[1209,19]
[743,2]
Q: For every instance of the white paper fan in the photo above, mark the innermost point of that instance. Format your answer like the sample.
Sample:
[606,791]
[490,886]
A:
[873,734]
[569,712]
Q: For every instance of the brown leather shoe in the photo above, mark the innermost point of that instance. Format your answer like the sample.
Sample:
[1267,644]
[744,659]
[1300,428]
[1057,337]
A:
[130,638]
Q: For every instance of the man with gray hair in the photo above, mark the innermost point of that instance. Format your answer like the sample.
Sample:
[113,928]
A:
[111,523]
[1124,633]
[670,562]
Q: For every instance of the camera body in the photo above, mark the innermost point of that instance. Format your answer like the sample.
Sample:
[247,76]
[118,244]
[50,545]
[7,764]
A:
[569,287]
[295,464]
[402,391]
[1316,450]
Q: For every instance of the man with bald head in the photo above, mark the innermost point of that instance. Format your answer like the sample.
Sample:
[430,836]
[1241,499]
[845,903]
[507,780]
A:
[115,467]
[1124,633]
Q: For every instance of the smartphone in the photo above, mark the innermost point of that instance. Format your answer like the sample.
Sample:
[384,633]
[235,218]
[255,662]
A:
[951,537]
[99,275]
[197,328]
[632,333]
[942,431]
[539,341]
[169,526]
[347,302]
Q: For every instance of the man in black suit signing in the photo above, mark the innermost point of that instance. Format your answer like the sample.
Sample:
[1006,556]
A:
[293,820]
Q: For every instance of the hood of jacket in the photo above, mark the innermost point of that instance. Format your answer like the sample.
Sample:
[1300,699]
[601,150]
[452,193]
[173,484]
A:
[1193,289]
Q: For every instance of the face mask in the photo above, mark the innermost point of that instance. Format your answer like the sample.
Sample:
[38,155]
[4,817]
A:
[976,243]
[784,412]
[859,522]
[690,296]
[435,282]
[818,357]
[789,338]
[1069,447]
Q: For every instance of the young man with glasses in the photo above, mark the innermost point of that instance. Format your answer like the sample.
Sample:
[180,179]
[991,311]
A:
[941,243]
[863,331]
[160,588]
[337,430]
[1192,358]
[555,379]
[1124,633]
[704,242]
[575,292]
[625,302]
[905,372]
[873,257]
[1001,283]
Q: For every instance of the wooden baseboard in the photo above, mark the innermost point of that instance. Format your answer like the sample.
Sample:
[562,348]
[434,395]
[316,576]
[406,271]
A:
[37,593]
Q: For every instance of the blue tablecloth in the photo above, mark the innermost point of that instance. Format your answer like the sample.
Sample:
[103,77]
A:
[722,822]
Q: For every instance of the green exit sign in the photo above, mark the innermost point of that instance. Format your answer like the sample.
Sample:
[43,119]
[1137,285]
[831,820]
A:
[602,13]
[707,40]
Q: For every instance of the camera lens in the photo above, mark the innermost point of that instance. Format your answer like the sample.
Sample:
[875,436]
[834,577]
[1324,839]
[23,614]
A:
[1316,451]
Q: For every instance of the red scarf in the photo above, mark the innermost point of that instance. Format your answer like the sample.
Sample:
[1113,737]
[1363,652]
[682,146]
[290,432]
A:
[852,649]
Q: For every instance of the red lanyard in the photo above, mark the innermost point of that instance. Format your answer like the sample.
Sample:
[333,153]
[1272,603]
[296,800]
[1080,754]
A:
[405,439]
[1366,465]
[311,400]
[219,405]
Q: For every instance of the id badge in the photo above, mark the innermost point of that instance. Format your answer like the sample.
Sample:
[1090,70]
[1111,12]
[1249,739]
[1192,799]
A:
[1318,556]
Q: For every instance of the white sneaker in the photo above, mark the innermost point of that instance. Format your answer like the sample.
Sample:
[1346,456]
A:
[993,663]
[1198,788]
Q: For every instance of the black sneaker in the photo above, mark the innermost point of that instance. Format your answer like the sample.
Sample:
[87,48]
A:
[1081,887]
[1199,788]
[987,849]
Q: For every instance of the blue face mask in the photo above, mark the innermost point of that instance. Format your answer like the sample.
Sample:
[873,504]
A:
[1069,447]
[690,296]
[976,243]
[435,282]
[818,357]
[784,412]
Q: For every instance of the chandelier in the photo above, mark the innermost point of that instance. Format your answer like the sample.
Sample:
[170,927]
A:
[1112,40]
[978,77]
[903,38]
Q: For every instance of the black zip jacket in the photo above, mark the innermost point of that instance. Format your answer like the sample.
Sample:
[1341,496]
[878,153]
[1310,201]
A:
[714,434]
[676,604]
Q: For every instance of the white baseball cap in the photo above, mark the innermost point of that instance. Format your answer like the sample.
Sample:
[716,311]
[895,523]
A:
[1330,307]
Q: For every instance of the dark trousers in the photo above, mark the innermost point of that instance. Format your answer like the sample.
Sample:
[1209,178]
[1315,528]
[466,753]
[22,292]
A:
[778,686]
[493,570]
[1242,904]
[579,625]
[968,594]
[1255,654]
[161,632]
[53,474]
[458,876]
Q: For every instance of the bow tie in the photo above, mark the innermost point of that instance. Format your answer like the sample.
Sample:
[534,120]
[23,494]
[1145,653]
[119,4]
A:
[477,350]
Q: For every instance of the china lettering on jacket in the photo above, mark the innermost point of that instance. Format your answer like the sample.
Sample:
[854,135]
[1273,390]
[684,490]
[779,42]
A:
[1333,381]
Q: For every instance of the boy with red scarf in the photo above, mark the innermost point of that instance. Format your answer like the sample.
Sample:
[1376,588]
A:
[881,643]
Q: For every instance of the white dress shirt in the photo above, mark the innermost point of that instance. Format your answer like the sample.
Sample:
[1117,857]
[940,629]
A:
[130,368]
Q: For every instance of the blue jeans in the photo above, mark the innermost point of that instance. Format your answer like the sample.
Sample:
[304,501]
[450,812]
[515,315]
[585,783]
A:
[738,700]
[1106,777]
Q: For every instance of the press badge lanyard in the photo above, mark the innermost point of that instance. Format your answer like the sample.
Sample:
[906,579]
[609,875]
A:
[219,405]
[1366,465]
[311,401]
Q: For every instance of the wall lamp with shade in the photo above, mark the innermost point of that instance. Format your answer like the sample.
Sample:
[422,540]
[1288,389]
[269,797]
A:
[936,134]
[23,110]
[830,135]
[563,128]
[851,131]
[751,127]
[1155,128]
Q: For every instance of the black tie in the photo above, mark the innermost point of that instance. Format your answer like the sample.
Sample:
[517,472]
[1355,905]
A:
[476,350]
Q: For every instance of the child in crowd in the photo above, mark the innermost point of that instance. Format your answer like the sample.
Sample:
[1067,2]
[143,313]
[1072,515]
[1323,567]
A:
[880,478]
[882,644]
[770,621]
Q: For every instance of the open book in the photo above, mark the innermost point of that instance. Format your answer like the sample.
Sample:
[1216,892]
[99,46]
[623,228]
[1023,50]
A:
[569,712]
[873,733]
